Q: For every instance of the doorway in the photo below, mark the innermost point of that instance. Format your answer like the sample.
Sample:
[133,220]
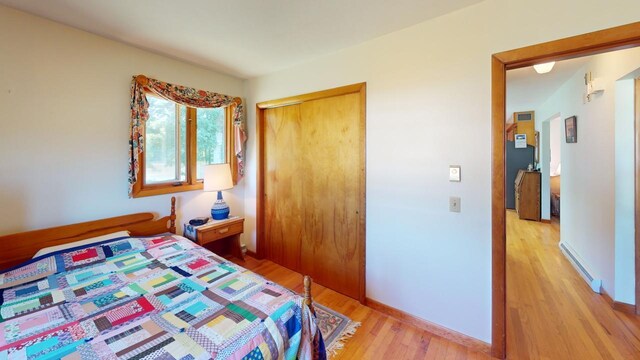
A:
[555,165]
[311,186]
[589,44]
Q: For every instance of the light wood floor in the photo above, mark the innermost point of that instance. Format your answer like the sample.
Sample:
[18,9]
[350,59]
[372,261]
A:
[379,336]
[551,311]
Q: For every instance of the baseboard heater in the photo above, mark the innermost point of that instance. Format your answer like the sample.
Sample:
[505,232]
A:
[595,284]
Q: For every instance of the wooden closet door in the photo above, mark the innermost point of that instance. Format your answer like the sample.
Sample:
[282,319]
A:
[313,188]
[331,185]
[284,196]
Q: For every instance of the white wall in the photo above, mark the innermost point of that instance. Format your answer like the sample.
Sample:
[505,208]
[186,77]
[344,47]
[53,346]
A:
[625,190]
[550,136]
[428,106]
[64,125]
[555,144]
[545,159]
[588,185]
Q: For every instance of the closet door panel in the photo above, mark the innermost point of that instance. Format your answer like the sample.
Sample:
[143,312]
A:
[330,164]
[284,195]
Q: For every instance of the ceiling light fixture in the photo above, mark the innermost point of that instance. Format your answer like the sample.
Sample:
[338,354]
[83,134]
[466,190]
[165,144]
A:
[544,68]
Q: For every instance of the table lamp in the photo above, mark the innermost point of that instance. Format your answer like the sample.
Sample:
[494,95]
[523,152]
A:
[217,177]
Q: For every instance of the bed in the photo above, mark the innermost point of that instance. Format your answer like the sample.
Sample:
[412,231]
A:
[555,195]
[149,295]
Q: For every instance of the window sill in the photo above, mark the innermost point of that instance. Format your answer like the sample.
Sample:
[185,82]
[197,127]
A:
[166,189]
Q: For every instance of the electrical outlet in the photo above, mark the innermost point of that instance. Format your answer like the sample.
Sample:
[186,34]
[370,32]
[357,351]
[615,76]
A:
[454,204]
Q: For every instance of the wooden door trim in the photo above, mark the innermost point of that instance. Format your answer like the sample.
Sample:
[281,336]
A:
[298,99]
[637,191]
[260,172]
[597,42]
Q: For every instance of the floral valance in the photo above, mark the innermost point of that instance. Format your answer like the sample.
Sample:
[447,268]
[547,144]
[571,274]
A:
[184,96]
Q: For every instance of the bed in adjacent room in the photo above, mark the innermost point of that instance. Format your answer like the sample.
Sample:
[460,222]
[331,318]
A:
[143,296]
[555,195]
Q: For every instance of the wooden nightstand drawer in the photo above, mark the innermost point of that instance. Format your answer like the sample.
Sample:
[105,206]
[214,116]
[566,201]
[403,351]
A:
[220,236]
[220,232]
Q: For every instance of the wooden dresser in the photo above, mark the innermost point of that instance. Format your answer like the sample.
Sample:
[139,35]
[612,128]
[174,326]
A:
[528,194]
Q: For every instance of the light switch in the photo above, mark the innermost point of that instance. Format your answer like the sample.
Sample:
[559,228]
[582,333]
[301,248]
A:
[454,173]
[454,204]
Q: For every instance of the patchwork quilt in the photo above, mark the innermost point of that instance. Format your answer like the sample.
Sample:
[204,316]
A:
[159,297]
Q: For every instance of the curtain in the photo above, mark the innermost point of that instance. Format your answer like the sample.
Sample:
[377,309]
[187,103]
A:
[184,96]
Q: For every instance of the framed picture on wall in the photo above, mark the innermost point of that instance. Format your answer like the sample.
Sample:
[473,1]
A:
[521,141]
[571,129]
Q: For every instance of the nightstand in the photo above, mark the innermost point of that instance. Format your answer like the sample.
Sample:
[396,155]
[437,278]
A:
[219,236]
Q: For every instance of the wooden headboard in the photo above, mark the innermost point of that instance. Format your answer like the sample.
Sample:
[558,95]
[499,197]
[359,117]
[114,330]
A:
[20,247]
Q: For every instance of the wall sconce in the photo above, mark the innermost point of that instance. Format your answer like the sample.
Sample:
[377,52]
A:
[593,86]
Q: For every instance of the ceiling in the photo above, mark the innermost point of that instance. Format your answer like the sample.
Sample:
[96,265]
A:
[527,89]
[244,38]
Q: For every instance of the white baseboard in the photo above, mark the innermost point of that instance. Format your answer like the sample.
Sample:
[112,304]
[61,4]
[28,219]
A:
[581,268]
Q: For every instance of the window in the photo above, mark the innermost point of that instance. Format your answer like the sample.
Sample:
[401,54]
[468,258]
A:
[179,142]
[165,141]
[211,139]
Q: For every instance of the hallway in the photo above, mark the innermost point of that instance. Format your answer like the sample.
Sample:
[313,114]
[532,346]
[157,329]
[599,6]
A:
[551,311]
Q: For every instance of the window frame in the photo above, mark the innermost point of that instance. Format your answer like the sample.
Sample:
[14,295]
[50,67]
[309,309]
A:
[140,189]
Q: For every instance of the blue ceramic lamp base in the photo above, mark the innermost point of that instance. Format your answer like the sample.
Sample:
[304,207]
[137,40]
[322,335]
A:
[220,209]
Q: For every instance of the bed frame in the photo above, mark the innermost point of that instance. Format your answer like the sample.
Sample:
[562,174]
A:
[20,247]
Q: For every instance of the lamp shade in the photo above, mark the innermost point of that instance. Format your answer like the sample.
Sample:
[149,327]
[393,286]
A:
[544,68]
[217,177]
